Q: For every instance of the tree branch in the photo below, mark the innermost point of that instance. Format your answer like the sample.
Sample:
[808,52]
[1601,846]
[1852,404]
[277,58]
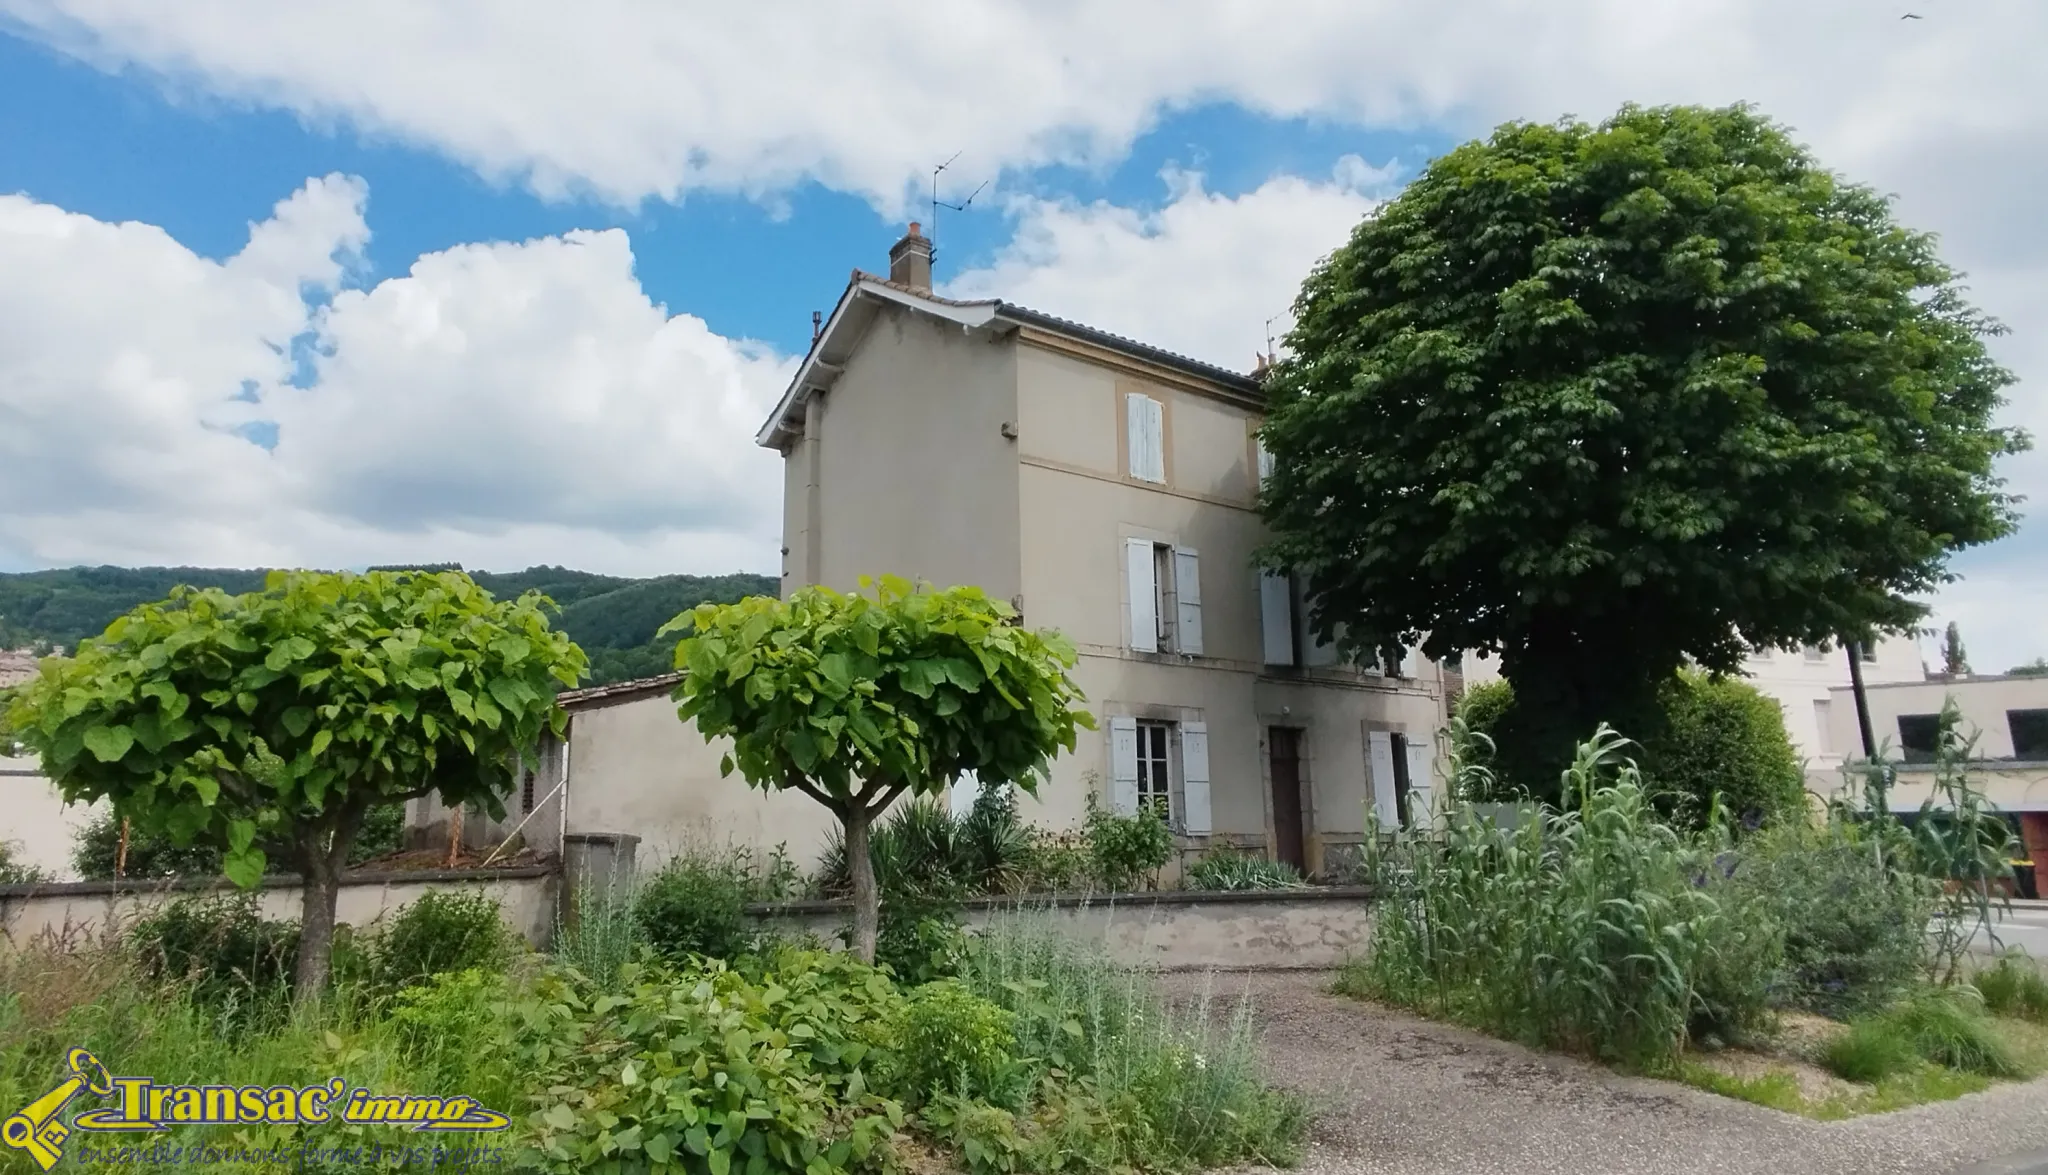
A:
[889,794]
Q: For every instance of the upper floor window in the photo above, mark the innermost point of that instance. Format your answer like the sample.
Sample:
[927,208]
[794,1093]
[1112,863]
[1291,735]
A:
[1824,725]
[2029,733]
[1166,597]
[1145,437]
[1919,737]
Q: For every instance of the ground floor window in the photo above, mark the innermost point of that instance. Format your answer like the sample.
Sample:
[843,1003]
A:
[1155,767]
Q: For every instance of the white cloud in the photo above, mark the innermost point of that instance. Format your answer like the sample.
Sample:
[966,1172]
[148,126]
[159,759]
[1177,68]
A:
[502,404]
[1201,275]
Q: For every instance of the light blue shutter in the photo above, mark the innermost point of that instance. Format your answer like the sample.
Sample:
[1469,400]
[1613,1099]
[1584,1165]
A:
[1379,758]
[1420,764]
[1187,596]
[1123,765]
[1194,778]
[1276,618]
[1144,595]
[1145,437]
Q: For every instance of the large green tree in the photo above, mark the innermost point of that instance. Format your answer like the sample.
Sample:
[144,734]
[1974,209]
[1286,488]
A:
[854,700]
[276,719]
[1605,399]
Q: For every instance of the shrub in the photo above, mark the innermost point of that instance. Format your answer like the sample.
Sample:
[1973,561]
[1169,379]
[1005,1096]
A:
[1127,851]
[695,906]
[2014,986]
[233,959]
[920,938]
[1711,740]
[1721,739]
[1238,871]
[452,1029]
[1584,930]
[15,872]
[1057,862]
[993,844]
[97,848]
[766,1068]
[953,1041]
[443,931]
[1854,928]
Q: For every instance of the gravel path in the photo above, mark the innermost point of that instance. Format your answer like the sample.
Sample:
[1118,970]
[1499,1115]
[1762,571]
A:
[1395,1094]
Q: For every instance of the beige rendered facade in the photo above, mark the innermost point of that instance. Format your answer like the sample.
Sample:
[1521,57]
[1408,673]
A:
[1108,490]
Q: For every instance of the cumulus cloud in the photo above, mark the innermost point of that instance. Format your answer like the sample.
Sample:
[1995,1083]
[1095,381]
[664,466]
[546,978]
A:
[1202,275]
[501,403]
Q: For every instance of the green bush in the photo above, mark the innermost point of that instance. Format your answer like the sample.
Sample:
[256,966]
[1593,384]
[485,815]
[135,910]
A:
[234,961]
[97,848]
[14,872]
[1127,852]
[953,1041]
[443,931]
[1240,871]
[767,1069]
[1057,862]
[920,939]
[1855,930]
[1712,741]
[2014,986]
[695,906]
[451,1027]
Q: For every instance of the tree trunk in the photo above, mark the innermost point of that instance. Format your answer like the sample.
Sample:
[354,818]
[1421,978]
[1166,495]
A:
[867,901]
[316,926]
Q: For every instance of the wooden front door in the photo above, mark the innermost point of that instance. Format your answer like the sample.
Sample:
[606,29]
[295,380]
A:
[1284,747]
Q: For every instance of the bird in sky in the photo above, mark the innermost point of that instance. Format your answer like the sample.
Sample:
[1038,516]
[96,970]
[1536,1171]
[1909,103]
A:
[1911,16]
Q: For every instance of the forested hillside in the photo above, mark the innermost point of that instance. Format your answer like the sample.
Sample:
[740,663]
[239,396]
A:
[612,617]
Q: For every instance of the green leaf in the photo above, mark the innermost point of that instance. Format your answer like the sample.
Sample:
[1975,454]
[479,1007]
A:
[109,743]
[297,719]
[719,1161]
[244,867]
[322,739]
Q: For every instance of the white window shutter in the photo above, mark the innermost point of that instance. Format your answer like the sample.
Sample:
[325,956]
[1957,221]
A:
[1187,595]
[1379,758]
[1145,437]
[1123,765]
[964,792]
[1420,763]
[1276,618]
[1411,663]
[1265,463]
[1194,778]
[1144,595]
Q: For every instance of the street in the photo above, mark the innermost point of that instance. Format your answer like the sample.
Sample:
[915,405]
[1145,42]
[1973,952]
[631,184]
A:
[2024,925]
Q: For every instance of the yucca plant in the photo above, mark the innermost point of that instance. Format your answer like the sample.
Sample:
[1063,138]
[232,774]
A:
[1240,871]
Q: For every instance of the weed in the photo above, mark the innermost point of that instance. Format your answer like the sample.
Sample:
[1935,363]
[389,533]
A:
[599,934]
[2014,986]
[443,931]
[696,906]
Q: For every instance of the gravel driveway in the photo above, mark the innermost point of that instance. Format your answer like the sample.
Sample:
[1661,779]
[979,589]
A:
[1395,1094]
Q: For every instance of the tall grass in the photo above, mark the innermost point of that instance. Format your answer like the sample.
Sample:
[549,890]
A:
[2014,986]
[600,933]
[1585,930]
[1187,1082]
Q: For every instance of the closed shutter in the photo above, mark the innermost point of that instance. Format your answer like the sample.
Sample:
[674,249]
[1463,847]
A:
[1379,760]
[1145,436]
[1420,793]
[1144,595]
[1187,596]
[1194,778]
[1411,664]
[1265,463]
[1123,766]
[965,791]
[1276,617]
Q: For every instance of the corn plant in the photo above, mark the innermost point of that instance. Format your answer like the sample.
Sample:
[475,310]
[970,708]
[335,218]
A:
[1582,929]
[1961,840]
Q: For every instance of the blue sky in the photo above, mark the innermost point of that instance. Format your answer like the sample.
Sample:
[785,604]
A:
[342,283]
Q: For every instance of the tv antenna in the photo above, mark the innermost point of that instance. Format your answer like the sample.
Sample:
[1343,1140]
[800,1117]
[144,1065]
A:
[938,204]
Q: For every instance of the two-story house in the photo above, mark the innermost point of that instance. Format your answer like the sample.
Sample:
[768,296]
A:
[1108,489]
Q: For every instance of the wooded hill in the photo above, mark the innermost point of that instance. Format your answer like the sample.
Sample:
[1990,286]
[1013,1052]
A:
[614,618]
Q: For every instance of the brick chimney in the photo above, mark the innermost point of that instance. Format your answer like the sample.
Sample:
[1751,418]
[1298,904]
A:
[910,261]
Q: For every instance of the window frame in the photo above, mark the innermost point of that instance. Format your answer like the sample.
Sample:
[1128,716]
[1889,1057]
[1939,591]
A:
[1912,754]
[1159,792]
[2039,746]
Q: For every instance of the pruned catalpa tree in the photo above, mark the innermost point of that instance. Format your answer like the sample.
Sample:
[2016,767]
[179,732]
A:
[269,723]
[854,700]
[1606,399]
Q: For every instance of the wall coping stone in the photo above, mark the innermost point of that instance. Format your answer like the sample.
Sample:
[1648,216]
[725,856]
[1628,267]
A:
[1152,898]
[151,885]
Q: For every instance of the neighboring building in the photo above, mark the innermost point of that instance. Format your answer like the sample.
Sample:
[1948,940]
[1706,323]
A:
[34,819]
[1804,684]
[2008,715]
[1108,490]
